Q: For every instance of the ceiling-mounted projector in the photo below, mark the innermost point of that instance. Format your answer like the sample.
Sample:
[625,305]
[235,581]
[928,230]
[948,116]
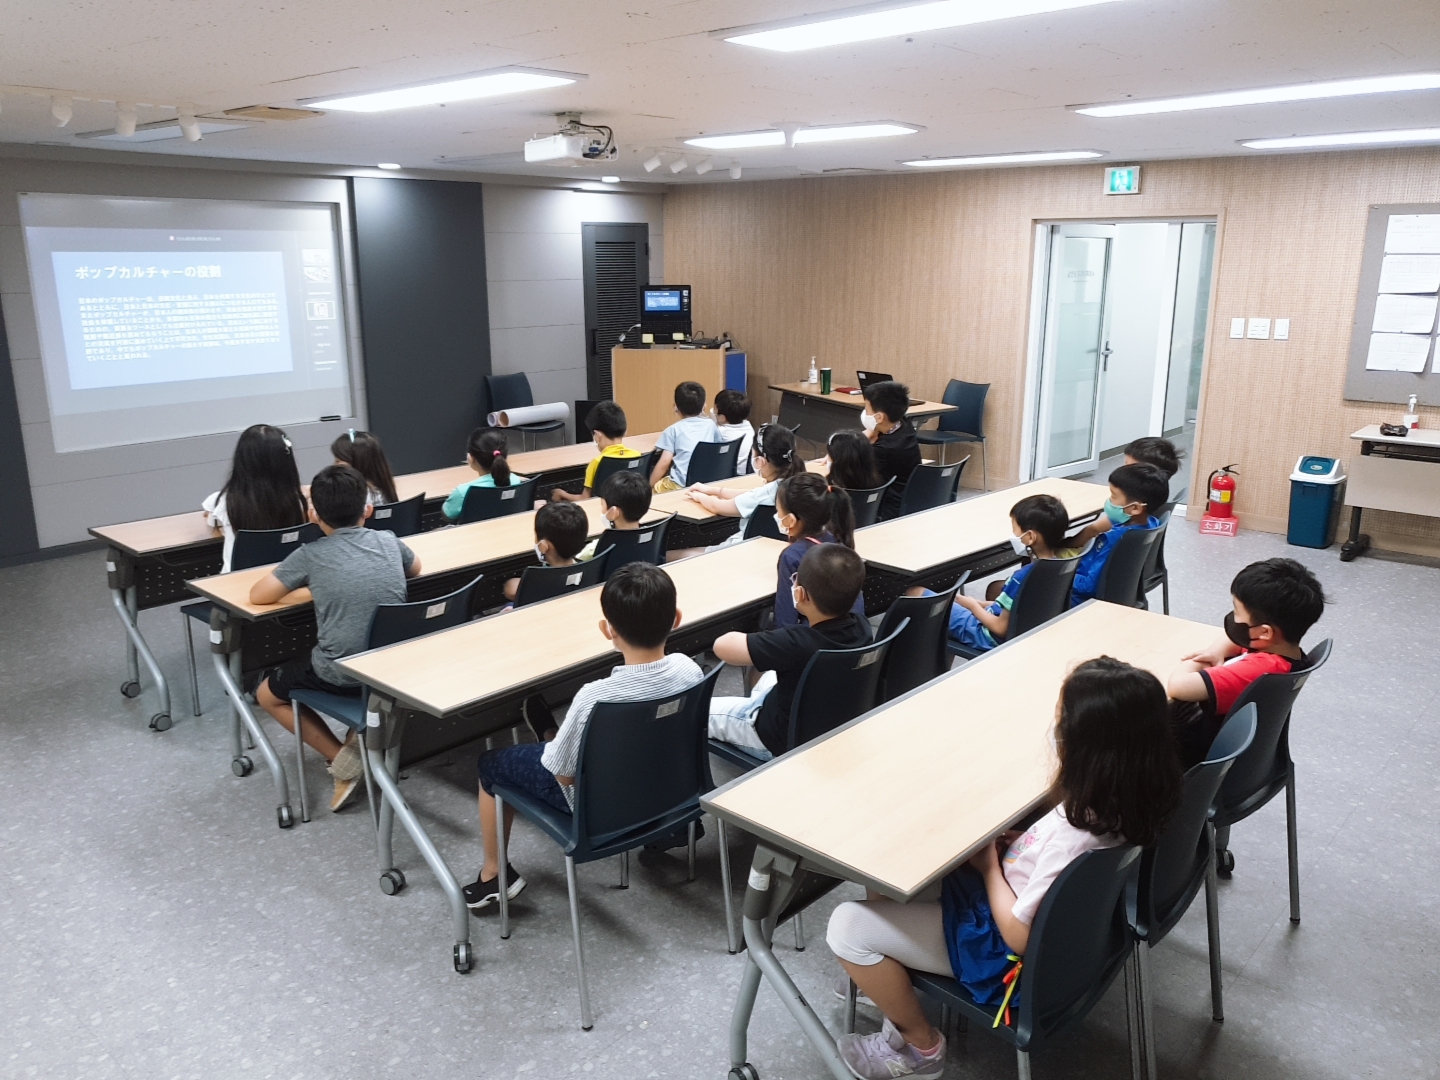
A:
[573,143]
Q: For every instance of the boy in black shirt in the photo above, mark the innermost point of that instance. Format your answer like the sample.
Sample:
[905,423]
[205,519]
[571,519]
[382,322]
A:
[897,450]
[825,587]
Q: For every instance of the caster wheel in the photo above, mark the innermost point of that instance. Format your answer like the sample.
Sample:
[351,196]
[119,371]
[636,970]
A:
[160,722]
[743,1072]
[285,816]
[391,882]
[464,958]
[130,689]
[1224,863]
[241,766]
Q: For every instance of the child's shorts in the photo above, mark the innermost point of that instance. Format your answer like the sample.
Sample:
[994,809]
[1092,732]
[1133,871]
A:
[299,674]
[520,767]
[966,628]
[978,954]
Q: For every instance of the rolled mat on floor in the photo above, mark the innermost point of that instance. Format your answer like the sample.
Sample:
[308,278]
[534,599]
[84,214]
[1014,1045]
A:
[530,414]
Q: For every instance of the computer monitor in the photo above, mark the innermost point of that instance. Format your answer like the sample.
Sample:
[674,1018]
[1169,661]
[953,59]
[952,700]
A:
[665,310]
[869,378]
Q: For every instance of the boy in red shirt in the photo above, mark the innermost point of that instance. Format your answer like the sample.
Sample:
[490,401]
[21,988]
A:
[1275,602]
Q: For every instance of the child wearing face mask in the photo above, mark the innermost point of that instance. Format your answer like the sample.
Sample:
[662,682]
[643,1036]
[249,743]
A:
[560,533]
[1038,523]
[607,424]
[1274,603]
[810,511]
[1136,492]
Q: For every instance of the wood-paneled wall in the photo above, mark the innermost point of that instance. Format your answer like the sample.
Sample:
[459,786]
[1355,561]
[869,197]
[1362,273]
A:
[928,276]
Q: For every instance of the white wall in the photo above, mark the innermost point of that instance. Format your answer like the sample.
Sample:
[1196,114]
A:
[1141,302]
[534,273]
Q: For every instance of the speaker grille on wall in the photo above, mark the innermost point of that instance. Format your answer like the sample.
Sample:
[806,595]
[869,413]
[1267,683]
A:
[616,268]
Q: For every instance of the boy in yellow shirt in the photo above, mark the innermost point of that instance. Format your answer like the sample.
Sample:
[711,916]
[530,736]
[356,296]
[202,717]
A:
[607,425]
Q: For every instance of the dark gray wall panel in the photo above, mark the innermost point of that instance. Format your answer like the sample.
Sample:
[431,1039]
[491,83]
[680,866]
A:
[17,513]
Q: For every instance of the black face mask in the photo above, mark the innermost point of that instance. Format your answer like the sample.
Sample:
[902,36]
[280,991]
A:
[1237,631]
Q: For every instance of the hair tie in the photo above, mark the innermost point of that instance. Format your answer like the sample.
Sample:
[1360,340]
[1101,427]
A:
[496,454]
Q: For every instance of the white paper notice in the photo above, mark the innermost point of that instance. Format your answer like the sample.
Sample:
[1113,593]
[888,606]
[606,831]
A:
[1404,314]
[1410,273]
[1397,352]
[1413,234]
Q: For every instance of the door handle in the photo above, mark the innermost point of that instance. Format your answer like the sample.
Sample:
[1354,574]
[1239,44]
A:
[1105,357]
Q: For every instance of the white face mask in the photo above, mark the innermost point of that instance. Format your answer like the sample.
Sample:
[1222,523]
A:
[780,524]
[869,420]
[1021,548]
[541,556]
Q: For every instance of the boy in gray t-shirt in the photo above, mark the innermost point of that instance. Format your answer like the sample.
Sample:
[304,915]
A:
[351,571]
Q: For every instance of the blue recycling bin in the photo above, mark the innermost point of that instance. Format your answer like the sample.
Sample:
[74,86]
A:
[1317,490]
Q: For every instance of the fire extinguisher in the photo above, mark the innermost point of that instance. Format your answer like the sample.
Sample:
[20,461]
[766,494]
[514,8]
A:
[1222,492]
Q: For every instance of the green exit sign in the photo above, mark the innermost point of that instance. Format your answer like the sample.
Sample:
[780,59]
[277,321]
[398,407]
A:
[1122,180]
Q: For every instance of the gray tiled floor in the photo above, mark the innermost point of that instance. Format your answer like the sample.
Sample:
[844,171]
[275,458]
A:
[155,923]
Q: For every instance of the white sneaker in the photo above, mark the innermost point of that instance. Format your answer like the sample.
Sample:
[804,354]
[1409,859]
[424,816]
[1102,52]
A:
[886,1055]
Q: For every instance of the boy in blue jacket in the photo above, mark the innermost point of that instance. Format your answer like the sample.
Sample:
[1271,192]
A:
[1135,492]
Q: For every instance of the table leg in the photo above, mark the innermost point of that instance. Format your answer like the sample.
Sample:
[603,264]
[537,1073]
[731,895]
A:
[127,604]
[1358,541]
[223,652]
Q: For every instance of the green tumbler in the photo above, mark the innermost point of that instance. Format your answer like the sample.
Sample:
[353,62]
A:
[824,380]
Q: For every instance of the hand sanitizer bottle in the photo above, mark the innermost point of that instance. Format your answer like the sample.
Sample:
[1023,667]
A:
[814,376]
[1411,418]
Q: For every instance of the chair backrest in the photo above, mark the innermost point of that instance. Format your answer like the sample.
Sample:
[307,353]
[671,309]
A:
[484,503]
[1044,593]
[968,416]
[1079,942]
[713,462]
[1120,577]
[1172,868]
[258,547]
[621,547]
[866,503]
[836,686]
[1269,755]
[919,654]
[401,518]
[539,583]
[609,466]
[1154,571]
[930,486]
[762,523]
[641,762]
[401,622]
[509,391]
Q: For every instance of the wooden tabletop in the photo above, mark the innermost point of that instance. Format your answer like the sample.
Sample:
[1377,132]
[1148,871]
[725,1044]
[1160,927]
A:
[679,502]
[457,669]
[856,401]
[900,797]
[918,542]
[440,551]
[158,534]
[1420,436]
[440,482]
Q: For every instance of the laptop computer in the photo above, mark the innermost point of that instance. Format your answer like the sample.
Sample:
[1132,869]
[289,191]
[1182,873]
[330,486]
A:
[865,378]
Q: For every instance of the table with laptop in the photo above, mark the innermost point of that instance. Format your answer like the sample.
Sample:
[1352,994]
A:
[819,415]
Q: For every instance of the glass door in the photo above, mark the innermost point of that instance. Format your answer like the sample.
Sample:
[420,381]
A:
[1074,350]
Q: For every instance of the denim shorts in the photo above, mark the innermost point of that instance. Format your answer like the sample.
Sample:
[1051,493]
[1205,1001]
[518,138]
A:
[519,767]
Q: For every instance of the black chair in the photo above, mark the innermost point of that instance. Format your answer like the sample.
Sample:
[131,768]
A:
[1174,867]
[713,462]
[539,583]
[392,623]
[252,547]
[1120,578]
[866,503]
[484,503]
[965,424]
[641,773]
[621,547]
[762,523]
[1155,575]
[1044,594]
[609,466]
[401,518]
[1079,942]
[930,486]
[513,392]
[919,654]
[1266,769]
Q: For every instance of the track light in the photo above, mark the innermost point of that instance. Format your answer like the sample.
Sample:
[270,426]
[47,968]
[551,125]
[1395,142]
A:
[652,163]
[125,118]
[705,166]
[61,110]
[734,170]
[189,126]
[679,165]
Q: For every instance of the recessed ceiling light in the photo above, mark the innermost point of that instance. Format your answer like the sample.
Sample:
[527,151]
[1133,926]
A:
[1269,95]
[461,88]
[609,179]
[388,165]
[883,21]
[1005,159]
[836,133]
[1352,138]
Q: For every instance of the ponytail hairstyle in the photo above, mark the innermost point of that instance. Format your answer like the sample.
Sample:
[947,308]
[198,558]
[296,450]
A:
[819,506]
[263,491]
[775,443]
[363,453]
[488,446]
[1119,772]
[852,461]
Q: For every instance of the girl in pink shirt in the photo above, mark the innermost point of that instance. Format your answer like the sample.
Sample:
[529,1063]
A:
[1117,781]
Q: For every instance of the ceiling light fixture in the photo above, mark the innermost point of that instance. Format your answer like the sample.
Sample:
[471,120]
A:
[705,166]
[887,20]
[388,165]
[679,165]
[61,109]
[734,170]
[460,88]
[1005,159]
[774,137]
[1269,95]
[189,126]
[1351,138]
[125,118]
[653,162]
[612,179]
